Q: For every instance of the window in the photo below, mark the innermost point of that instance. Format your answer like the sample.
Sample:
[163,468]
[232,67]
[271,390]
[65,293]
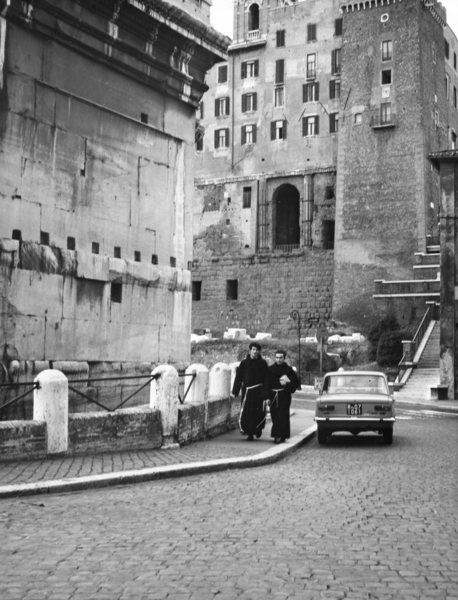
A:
[116,292]
[335,61]
[446,49]
[253,18]
[222,138]
[222,74]
[385,113]
[249,68]
[117,251]
[16,235]
[279,71]
[328,234]
[279,95]
[334,89]
[447,87]
[386,76]
[196,290]
[387,50]
[95,247]
[280,37]
[222,106]
[333,122]
[329,192]
[310,125]
[311,92]
[311,66]
[71,243]
[278,130]
[232,289]
[173,261]
[311,32]
[154,259]
[44,238]
[358,118]
[338,26]
[246,201]
[249,102]
[143,117]
[248,134]
[454,97]
[137,256]
[199,138]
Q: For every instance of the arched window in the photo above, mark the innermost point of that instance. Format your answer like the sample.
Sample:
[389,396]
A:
[253,18]
[286,216]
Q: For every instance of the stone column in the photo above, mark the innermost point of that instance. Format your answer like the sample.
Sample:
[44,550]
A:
[164,397]
[50,404]
[307,211]
[219,381]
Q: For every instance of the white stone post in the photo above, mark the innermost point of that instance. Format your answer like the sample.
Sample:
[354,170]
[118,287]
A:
[164,397]
[233,367]
[219,381]
[198,392]
[50,404]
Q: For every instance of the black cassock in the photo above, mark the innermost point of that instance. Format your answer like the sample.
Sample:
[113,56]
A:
[280,399]
[252,379]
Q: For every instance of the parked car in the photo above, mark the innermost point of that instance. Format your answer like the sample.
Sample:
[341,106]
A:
[355,401]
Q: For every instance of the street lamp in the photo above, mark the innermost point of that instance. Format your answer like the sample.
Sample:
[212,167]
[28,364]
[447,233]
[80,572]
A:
[295,316]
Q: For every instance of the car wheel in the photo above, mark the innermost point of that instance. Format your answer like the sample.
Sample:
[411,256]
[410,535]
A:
[322,434]
[388,436]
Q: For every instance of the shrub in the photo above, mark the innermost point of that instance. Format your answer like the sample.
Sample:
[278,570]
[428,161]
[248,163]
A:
[389,348]
[388,323]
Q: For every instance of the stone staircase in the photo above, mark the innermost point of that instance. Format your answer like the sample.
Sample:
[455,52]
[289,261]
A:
[427,373]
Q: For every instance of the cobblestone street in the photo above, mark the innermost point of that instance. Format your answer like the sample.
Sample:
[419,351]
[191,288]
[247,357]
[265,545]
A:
[354,519]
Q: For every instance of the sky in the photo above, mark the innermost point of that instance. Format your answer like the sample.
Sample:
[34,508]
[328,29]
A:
[221,15]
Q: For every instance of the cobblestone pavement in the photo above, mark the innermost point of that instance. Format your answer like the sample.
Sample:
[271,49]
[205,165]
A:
[354,519]
[231,444]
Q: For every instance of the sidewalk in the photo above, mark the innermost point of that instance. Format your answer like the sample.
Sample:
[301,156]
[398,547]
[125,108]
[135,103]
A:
[227,451]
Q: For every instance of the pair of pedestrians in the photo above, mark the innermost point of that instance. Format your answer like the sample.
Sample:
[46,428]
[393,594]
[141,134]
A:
[261,384]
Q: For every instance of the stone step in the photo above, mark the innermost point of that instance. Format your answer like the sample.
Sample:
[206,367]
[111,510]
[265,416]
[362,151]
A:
[421,272]
[423,258]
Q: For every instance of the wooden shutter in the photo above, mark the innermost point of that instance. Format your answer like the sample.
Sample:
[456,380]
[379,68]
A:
[304,93]
[255,101]
[317,91]
[272,130]
[304,126]
[243,135]
[279,71]
[243,70]
[254,134]
[243,102]
[284,129]
[216,139]
[256,68]
[228,106]
[216,107]
[227,138]
[317,125]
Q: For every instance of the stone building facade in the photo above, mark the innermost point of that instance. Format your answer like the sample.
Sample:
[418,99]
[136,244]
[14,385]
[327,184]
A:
[312,157]
[97,119]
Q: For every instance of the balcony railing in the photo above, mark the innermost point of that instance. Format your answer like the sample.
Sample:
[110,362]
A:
[379,121]
[254,34]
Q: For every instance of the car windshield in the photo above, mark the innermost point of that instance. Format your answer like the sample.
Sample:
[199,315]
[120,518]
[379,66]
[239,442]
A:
[348,384]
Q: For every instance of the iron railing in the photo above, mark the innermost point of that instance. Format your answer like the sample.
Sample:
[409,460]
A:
[406,362]
[33,385]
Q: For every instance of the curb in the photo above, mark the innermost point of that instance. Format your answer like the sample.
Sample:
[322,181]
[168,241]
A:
[153,473]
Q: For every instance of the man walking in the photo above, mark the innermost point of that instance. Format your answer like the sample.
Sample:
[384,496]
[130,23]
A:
[252,379]
[283,382]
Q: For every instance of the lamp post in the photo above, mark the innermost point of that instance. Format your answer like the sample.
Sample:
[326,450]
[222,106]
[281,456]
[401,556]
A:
[295,316]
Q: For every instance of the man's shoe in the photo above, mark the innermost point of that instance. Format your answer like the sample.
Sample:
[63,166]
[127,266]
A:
[258,434]
[277,440]
[250,438]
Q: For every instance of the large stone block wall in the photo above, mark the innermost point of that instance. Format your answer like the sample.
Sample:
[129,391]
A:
[269,287]
[384,184]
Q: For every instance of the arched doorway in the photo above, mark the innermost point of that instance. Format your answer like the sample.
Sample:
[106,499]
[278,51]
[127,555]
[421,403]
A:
[286,216]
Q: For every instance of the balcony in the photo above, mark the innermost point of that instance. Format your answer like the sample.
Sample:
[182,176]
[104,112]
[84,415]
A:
[253,35]
[252,38]
[383,121]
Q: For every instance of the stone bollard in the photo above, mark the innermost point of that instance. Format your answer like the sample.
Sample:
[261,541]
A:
[50,404]
[198,392]
[233,367]
[164,397]
[219,381]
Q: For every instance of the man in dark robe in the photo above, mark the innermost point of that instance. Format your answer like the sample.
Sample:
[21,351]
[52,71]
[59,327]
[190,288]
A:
[283,382]
[252,379]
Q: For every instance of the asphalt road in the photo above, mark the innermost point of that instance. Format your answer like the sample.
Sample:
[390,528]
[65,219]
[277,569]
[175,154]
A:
[353,519]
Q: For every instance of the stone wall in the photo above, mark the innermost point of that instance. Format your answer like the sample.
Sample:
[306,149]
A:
[269,287]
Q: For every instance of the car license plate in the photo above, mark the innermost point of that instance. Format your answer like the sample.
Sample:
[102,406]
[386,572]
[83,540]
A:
[354,409]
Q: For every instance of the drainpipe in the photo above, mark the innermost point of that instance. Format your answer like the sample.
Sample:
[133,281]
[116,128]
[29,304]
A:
[233,111]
